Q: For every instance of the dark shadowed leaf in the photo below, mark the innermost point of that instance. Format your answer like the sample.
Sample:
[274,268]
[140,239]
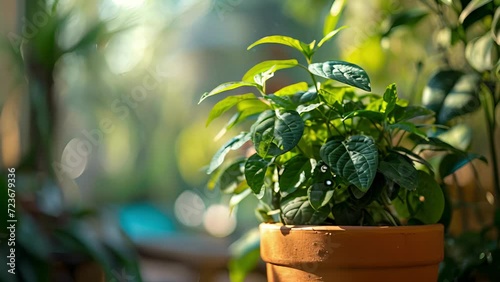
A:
[296,172]
[453,162]
[399,169]
[297,210]
[255,171]
[233,144]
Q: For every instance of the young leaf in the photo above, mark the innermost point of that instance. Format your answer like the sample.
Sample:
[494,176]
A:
[233,144]
[297,210]
[226,87]
[227,103]
[399,169]
[344,72]
[283,40]
[330,35]
[333,16]
[354,159]
[390,98]
[255,172]
[272,65]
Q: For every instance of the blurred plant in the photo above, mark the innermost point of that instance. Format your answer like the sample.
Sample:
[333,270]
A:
[54,242]
[323,154]
[467,79]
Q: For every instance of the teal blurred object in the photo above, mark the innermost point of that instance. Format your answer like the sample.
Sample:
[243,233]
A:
[145,221]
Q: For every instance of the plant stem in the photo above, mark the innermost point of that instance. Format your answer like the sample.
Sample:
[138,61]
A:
[490,128]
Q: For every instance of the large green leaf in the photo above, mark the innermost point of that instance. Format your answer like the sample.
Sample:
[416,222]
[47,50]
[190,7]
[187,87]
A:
[344,72]
[453,162]
[275,133]
[297,210]
[425,204]
[226,104]
[226,87]
[462,99]
[296,172]
[399,169]
[321,191]
[233,144]
[255,172]
[354,159]
[266,66]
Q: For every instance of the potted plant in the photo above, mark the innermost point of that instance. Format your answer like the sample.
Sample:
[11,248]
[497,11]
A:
[344,193]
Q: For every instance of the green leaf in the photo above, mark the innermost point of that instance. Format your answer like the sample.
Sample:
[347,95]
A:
[333,16]
[245,255]
[453,162]
[292,89]
[321,191]
[226,87]
[275,133]
[266,66]
[233,144]
[462,99]
[231,177]
[482,53]
[354,159]
[247,109]
[399,169]
[439,85]
[297,210]
[296,172]
[305,97]
[237,198]
[255,173]
[408,17]
[459,136]
[415,157]
[390,98]
[344,72]
[471,7]
[425,204]
[330,35]
[226,104]
[283,40]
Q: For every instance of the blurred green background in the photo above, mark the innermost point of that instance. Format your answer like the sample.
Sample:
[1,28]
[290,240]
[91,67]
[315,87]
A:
[122,136]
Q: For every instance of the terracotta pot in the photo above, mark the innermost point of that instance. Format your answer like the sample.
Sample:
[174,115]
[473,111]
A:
[352,253]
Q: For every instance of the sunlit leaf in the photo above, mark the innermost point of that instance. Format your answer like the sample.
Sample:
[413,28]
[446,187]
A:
[330,35]
[283,40]
[272,65]
[333,16]
[226,104]
[226,87]
[482,53]
[354,159]
[462,99]
[344,72]
[390,98]
[292,89]
[245,255]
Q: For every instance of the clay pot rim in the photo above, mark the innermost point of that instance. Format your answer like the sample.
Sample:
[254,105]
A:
[351,228]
